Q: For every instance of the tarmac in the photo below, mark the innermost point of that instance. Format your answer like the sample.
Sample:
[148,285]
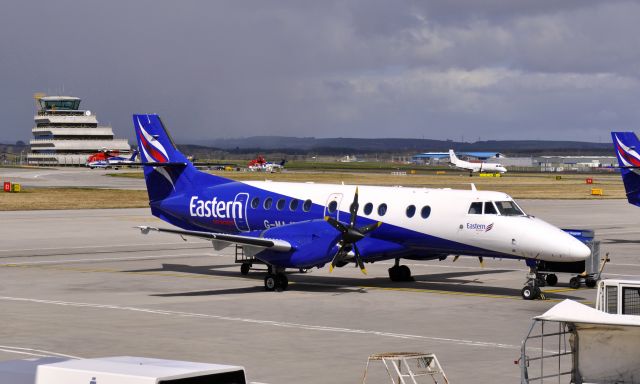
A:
[85,283]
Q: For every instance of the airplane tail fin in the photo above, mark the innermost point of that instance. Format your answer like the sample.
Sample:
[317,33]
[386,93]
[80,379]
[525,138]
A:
[627,146]
[166,170]
[452,156]
[134,155]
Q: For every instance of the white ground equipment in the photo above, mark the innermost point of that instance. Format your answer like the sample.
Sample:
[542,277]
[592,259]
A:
[117,370]
[619,297]
[408,367]
[574,343]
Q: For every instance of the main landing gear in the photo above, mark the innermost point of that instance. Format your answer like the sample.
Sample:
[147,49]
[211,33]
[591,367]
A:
[276,281]
[400,272]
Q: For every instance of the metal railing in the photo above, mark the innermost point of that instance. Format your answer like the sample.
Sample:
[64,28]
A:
[555,360]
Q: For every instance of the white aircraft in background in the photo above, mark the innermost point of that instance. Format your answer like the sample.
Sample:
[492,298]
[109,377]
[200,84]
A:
[475,167]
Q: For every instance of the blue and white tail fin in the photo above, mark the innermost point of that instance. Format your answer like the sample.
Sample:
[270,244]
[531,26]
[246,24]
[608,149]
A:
[167,171]
[134,155]
[627,146]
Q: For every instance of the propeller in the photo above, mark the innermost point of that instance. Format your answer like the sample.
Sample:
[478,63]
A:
[350,235]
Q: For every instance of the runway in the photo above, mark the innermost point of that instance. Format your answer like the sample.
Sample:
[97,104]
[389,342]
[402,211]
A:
[85,283]
[80,177]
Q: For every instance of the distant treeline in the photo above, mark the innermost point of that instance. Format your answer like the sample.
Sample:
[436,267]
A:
[345,146]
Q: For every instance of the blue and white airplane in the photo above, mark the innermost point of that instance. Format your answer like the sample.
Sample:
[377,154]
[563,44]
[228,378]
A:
[306,225]
[627,146]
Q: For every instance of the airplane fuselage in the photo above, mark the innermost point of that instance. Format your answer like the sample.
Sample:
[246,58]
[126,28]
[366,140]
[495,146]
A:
[418,223]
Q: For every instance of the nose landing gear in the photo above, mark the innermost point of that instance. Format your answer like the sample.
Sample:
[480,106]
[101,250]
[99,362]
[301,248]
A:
[531,290]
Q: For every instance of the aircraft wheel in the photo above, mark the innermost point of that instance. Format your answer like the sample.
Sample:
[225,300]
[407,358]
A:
[270,282]
[552,280]
[574,283]
[282,282]
[530,293]
[244,268]
[303,270]
[405,273]
[394,273]
[591,283]
[541,282]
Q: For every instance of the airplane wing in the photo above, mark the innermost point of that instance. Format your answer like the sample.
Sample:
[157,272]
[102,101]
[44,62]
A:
[258,242]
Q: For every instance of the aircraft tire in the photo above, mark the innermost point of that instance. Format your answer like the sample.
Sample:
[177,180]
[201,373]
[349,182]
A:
[394,273]
[591,283]
[552,280]
[574,282]
[270,282]
[282,282]
[530,293]
[405,273]
[244,268]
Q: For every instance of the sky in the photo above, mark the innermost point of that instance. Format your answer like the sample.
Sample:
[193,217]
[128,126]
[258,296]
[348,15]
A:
[444,69]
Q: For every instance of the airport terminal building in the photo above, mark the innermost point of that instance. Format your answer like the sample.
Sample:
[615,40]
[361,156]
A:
[66,135]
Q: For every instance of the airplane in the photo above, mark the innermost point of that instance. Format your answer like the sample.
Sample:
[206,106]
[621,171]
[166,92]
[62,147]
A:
[475,167]
[306,225]
[259,164]
[107,159]
[626,145]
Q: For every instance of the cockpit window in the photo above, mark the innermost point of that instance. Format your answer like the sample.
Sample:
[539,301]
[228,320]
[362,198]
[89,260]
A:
[508,208]
[475,208]
[489,208]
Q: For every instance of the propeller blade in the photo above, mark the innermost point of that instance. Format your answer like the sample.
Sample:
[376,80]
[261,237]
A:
[481,262]
[344,249]
[353,209]
[368,228]
[455,258]
[359,261]
[336,224]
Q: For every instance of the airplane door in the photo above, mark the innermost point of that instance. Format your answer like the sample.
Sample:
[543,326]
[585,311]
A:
[332,207]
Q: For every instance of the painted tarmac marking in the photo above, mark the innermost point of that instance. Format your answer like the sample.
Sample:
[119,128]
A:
[33,352]
[106,259]
[280,324]
[91,246]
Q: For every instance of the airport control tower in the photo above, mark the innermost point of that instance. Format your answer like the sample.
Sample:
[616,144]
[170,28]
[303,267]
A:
[66,135]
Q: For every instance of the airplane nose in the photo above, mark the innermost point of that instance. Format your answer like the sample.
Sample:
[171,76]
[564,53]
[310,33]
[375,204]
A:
[579,251]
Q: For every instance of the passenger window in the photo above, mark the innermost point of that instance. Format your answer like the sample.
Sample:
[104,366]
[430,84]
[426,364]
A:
[425,212]
[306,206]
[489,208]
[411,210]
[267,203]
[475,209]
[368,208]
[382,209]
[280,204]
[332,206]
[255,202]
[293,205]
[509,208]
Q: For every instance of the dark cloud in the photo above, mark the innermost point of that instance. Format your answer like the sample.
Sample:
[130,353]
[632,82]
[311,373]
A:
[363,68]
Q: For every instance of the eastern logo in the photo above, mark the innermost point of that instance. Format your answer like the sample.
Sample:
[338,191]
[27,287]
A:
[479,227]
[223,212]
[215,209]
